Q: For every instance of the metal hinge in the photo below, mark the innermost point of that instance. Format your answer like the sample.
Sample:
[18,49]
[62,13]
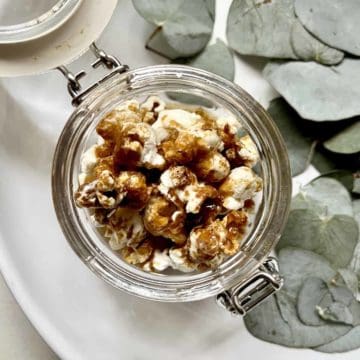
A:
[74,86]
[243,297]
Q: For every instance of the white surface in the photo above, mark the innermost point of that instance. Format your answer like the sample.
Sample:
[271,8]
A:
[80,316]
[18,339]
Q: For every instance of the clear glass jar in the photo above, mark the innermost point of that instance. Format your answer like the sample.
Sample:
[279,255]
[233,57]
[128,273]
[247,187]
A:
[79,134]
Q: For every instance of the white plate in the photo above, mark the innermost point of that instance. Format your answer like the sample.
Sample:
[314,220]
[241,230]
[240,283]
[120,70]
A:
[78,315]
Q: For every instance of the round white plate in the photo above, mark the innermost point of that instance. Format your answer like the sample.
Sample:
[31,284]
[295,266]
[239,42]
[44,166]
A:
[77,314]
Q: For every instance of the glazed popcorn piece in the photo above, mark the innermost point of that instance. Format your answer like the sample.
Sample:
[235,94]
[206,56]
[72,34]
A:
[169,187]
[241,185]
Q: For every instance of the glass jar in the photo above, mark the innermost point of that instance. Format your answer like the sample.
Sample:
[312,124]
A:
[244,268]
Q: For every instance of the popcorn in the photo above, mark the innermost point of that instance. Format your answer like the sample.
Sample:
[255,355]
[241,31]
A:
[240,185]
[163,218]
[169,187]
[125,228]
[248,151]
[212,168]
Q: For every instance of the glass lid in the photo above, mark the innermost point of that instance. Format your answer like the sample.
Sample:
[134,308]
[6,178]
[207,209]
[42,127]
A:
[22,20]
[33,40]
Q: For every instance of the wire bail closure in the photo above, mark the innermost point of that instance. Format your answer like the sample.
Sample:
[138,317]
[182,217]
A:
[242,298]
[74,86]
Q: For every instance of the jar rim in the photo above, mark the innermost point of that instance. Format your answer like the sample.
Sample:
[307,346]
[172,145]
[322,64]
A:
[157,286]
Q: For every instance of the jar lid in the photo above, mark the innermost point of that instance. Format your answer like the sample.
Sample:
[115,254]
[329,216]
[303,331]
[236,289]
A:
[37,36]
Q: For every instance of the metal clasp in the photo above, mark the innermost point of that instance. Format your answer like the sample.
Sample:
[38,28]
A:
[243,297]
[74,86]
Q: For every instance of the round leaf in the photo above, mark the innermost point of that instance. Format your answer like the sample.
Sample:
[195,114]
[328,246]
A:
[216,58]
[347,342]
[276,321]
[289,123]
[325,196]
[310,295]
[308,48]
[336,22]
[296,265]
[318,92]
[346,142]
[157,11]
[304,336]
[185,26]
[269,28]
[345,177]
[333,237]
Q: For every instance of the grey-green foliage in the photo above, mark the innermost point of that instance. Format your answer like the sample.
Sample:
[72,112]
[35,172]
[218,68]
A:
[356,187]
[308,48]
[186,25]
[335,22]
[297,264]
[347,342]
[298,145]
[345,177]
[318,92]
[325,196]
[216,58]
[310,295]
[277,320]
[333,237]
[345,142]
[270,29]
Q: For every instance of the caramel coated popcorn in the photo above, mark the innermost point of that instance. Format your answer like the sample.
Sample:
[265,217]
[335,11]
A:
[168,186]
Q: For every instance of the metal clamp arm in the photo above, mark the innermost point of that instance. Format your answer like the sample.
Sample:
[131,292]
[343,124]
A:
[102,58]
[245,296]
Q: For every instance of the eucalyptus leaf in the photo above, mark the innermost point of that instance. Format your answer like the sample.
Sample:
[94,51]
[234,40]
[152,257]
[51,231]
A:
[304,336]
[157,11]
[345,177]
[299,146]
[276,321]
[335,22]
[347,342]
[185,26]
[356,187]
[266,323]
[346,142]
[355,261]
[325,196]
[296,265]
[333,237]
[350,279]
[308,48]
[310,295]
[269,28]
[318,92]
[216,58]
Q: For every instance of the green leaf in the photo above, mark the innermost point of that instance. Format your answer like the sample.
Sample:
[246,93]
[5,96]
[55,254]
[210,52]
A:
[186,26]
[345,177]
[308,48]
[157,11]
[324,196]
[296,265]
[299,146]
[350,280]
[356,187]
[346,142]
[347,342]
[269,28]
[333,237]
[335,22]
[355,261]
[216,58]
[318,92]
[311,293]
[276,321]
[303,335]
